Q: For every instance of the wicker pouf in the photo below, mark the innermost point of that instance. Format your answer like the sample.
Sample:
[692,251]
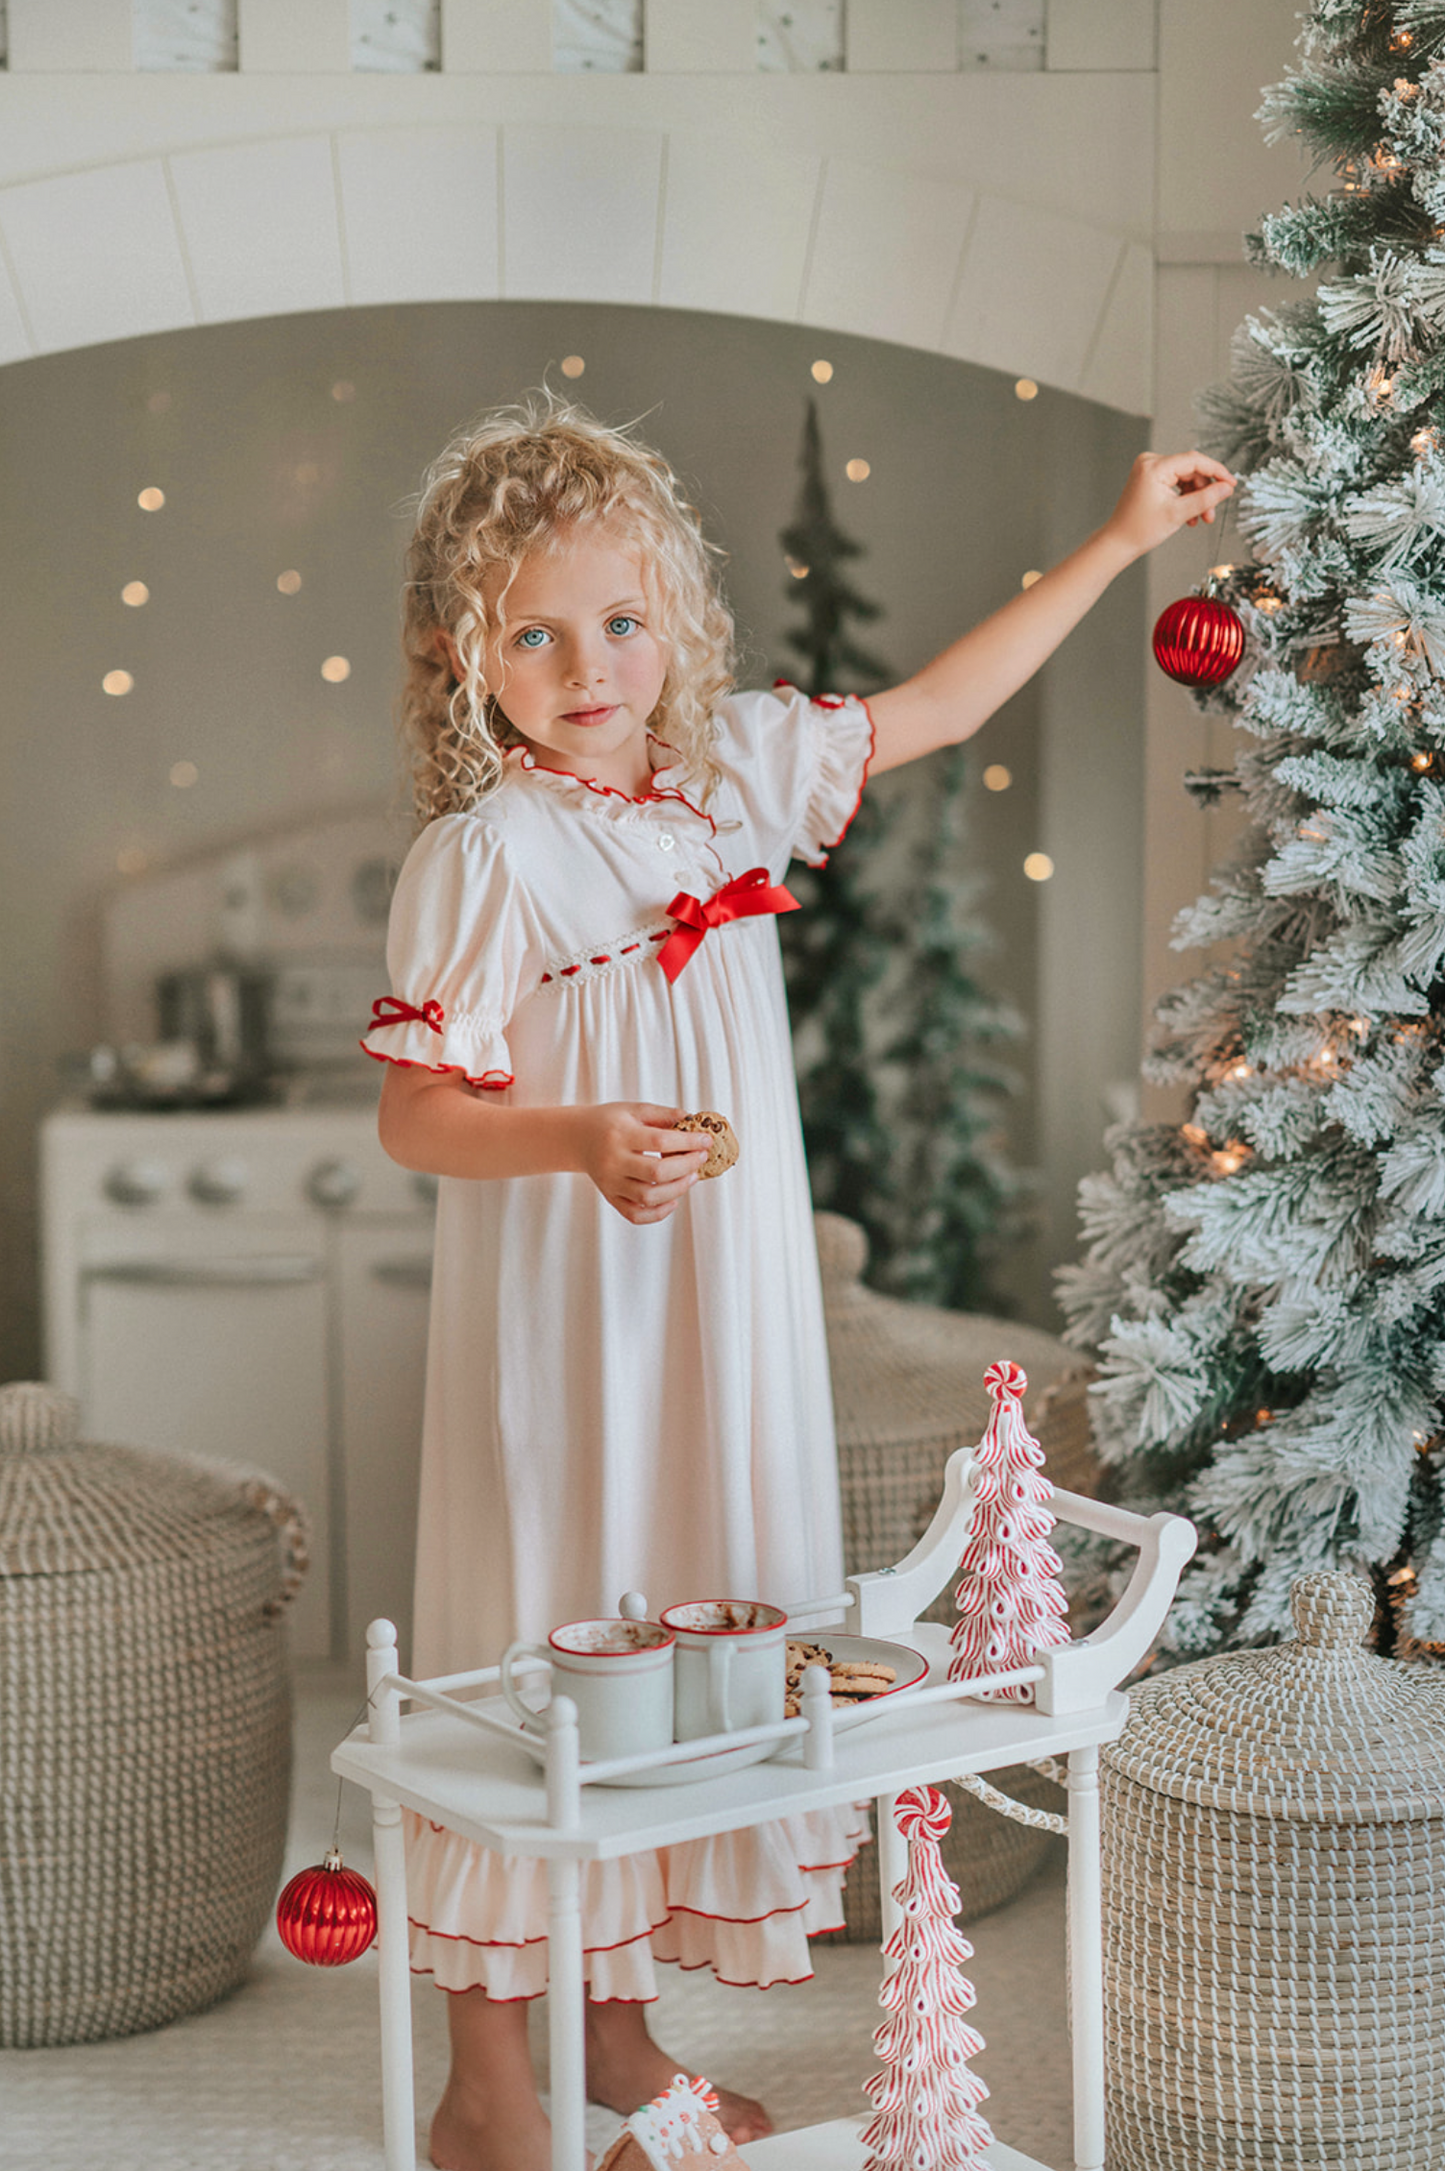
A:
[1274,1907]
[145,1740]
[907,1390]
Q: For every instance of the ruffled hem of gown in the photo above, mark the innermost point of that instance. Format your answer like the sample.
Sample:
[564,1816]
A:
[743,1903]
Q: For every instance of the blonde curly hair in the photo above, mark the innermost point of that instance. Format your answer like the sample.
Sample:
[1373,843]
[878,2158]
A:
[509,487]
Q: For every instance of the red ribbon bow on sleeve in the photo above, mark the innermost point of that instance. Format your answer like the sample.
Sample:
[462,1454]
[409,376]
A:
[391,1010]
[744,899]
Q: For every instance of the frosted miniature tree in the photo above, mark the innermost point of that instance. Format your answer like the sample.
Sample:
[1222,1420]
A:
[1011,1604]
[925,2102]
[1265,1280]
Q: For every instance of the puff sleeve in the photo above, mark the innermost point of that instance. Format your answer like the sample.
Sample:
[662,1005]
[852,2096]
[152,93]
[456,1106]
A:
[463,949]
[800,764]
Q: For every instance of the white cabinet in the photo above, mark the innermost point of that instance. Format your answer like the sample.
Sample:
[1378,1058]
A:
[187,1348]
[252,1285]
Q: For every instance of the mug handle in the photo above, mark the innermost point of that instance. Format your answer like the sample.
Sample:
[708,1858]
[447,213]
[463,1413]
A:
[719,1682]
[530,1719]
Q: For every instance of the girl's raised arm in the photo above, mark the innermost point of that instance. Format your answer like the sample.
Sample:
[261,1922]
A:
[961,688]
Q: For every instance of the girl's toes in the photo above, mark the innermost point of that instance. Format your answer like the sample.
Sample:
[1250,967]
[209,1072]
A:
[741,2118]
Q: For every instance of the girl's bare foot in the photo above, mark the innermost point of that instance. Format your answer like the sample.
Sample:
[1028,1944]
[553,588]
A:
[489,2117]
[470,2133]
[625,2069]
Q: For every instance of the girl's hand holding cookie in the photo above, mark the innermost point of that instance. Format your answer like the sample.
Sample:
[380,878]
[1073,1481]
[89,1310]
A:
[638,1159]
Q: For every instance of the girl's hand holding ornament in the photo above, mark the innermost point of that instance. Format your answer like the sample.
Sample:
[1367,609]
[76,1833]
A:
[970,681]
[1166,492]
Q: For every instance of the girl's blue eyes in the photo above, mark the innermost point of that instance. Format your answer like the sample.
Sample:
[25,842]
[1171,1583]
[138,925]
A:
[534,637]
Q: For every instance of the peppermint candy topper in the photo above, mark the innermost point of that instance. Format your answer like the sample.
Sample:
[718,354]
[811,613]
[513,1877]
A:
[923,1810]
[1011,1604]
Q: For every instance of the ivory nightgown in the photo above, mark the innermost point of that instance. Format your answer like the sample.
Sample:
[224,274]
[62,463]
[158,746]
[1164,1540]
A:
[614,1408]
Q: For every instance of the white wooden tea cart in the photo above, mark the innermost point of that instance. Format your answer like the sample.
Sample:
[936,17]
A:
[458,1756]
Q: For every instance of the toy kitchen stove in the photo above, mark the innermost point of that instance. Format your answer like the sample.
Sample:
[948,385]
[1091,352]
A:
[250,1282]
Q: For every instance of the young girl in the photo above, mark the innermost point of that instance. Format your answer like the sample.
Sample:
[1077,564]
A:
[627,1381]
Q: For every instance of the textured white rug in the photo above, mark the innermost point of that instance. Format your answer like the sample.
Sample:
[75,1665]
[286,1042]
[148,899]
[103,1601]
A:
[283,2075]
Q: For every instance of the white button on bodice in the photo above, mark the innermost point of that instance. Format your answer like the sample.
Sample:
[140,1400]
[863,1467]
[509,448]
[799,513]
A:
[665,840]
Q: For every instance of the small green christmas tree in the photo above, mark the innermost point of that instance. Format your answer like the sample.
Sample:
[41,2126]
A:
[897,1043]
[837,949]
[955,1200]
[816,551]
[1266,1282]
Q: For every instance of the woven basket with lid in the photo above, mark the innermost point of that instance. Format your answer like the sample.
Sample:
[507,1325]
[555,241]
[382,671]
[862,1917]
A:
[907,1390]
[1274,1907]
[145,1745]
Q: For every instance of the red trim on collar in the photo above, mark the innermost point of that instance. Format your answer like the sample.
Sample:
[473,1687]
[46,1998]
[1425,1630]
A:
[528,762]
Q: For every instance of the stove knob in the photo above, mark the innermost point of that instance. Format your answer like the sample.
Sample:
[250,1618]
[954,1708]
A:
[219,1183]
[135,1183]
[333,1184]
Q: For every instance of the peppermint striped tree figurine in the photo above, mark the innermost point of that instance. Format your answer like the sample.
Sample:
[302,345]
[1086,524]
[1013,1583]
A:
[1011,1604]
[925,2102]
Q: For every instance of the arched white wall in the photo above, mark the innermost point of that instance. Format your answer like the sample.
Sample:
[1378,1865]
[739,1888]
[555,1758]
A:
[968,215]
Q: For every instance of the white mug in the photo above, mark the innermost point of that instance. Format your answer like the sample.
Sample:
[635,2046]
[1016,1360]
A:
[619,1675]
[731,1665]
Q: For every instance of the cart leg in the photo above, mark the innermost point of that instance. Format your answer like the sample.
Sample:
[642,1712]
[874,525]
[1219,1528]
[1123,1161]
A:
[397,2098]
[565,2016]
[1086,1959]
[892,1862]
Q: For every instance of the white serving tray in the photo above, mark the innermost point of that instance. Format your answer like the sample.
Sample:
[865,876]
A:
[910,1667]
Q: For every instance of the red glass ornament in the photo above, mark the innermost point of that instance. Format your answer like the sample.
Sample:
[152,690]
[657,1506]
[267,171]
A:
[1198,640]
[327,1915]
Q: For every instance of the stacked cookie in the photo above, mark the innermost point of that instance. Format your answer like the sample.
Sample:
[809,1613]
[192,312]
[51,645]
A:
[852,1680]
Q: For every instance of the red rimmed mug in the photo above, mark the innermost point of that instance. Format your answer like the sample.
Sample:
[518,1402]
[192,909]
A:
[619,1675]
[730,1667]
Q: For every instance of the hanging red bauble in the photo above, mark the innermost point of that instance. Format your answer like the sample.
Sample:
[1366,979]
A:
[1198,640]
[327,1915]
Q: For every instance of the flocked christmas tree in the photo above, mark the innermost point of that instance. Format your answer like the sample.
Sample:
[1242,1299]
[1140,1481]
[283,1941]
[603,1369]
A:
[898,1044]
[1010,1600]
[925,2102]
[1266,1282]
